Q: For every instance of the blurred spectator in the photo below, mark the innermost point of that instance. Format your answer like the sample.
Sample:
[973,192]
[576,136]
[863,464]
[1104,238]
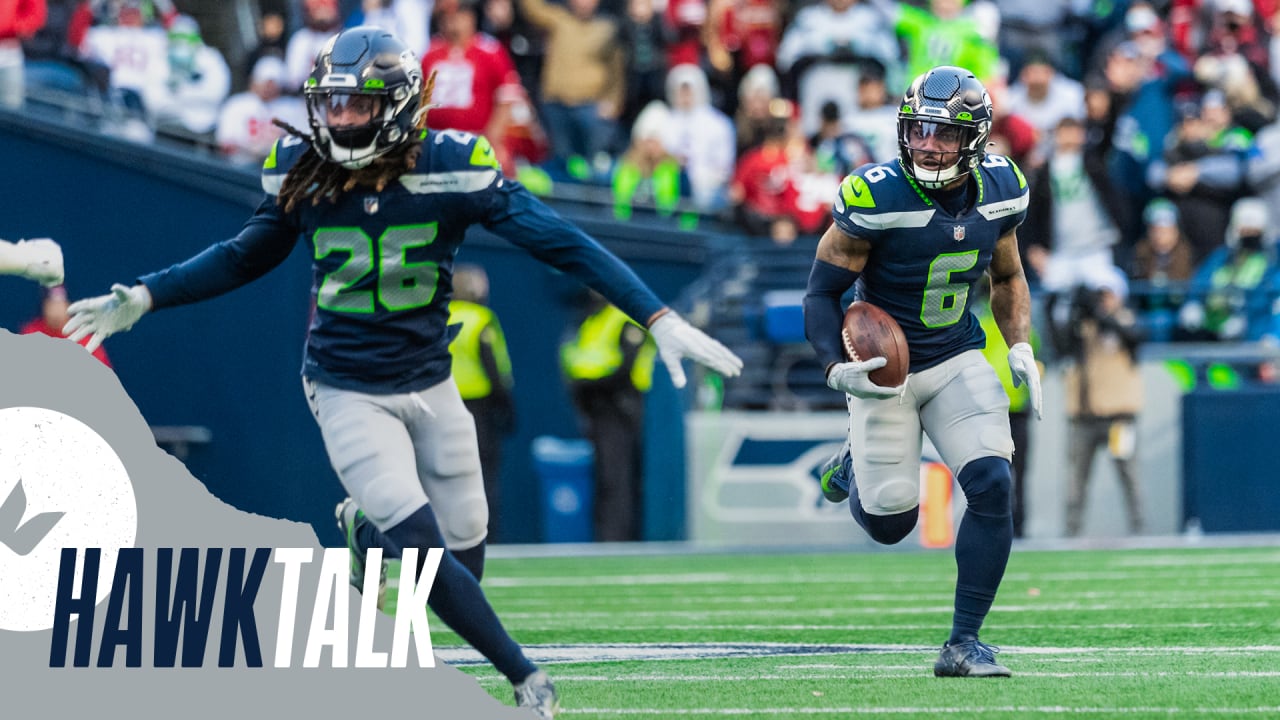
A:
[1234,30]
[409,20]
[876,117]
[822,51]
[1231,292]
[198,81]
[320,20]
[764,191]
[271,43]
[1033,27]
[701,137]
[582,78]
[1164,256]
[19,20]
[1044,96]
[1103,388]
[743,34]
[1012,134]
[944,34]
[53,317]
[377,13]
[245,132]
[646,37]
[1141,26]
[137,55]
[1070,224]
[647,175]
[758,88]
[1203,170]
[1163,263]
[482,371]
[1238,83]
[836,149]
[608,362]
[476,82]
[687,19]
[523,40]
[1140,117]
[1263,165]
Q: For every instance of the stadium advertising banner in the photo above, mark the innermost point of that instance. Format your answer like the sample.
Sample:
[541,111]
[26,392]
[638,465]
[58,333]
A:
[754,481]
[127,586]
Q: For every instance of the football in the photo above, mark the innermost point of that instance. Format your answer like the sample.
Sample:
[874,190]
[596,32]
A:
[870,332]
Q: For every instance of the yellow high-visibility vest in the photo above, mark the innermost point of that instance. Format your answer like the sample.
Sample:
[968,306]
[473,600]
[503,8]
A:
[596,351]
[478,322]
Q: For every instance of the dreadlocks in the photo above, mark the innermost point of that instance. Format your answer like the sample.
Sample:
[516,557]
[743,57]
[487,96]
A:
[315,178]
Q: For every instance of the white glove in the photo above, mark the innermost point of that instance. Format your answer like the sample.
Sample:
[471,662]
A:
[106,315]
[1191,316]
[852,378]
[1022,361]
[677,339]
[39,260]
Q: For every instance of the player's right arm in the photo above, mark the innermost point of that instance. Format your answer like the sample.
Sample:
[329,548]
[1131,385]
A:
[838,262]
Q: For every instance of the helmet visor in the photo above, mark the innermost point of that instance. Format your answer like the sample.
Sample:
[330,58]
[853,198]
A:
[935,145]
[347,110]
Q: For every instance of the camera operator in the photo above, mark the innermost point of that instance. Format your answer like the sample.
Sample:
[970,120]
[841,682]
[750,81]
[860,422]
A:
[1098,336]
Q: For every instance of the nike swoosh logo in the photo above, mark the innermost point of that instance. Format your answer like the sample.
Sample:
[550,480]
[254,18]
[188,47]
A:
[18,536]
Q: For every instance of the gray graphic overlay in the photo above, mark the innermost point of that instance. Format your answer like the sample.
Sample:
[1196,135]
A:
[174,510]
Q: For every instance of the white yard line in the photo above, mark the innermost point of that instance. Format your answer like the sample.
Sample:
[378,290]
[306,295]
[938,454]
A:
[970,710]
[628,652]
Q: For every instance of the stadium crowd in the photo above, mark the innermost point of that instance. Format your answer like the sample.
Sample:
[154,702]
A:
[1146,129]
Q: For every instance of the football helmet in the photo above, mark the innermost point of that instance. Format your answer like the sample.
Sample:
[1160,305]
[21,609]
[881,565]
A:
[943,126]
[363,96]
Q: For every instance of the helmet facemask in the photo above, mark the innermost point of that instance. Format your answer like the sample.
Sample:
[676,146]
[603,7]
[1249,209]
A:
[938,152]
[348,125]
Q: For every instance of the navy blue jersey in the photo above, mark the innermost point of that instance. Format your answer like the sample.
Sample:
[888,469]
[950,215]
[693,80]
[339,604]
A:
[923,259]
[383,261]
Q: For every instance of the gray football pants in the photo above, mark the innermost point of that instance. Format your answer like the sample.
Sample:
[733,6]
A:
[395,453]
[960,403]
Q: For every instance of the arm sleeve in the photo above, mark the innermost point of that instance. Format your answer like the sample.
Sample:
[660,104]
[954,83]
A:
[529,224]
[264,242]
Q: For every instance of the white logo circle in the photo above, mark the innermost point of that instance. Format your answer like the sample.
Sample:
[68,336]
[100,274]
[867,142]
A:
[61,486]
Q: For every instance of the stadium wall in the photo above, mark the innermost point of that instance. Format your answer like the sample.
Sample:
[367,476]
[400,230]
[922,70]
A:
[231,364]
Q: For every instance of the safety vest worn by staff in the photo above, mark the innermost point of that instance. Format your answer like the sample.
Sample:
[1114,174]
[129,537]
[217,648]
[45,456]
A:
[596,351]
[478,323]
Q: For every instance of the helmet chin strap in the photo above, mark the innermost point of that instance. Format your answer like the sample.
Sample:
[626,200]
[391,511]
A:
[941,178]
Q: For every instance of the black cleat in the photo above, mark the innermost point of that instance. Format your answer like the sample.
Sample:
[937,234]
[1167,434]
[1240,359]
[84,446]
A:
[970,658]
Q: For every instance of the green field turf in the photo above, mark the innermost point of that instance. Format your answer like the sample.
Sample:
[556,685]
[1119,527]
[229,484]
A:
[1088,634]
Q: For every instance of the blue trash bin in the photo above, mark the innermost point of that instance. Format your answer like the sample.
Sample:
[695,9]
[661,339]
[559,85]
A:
[566,488]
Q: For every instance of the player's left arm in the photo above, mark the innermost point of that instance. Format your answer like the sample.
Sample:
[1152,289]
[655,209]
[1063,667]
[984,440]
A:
[1011,307]
[528,223]
[1010,294]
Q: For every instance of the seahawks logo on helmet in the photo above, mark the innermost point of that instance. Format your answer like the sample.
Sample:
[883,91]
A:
[944,124]
[363,96]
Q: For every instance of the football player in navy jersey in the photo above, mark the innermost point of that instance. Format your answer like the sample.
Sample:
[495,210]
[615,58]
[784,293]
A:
[384,205]
[914,235]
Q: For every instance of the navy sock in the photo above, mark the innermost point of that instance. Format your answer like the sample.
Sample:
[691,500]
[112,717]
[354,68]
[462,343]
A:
[472,559]
[456,596]
[982,543]
[884,529]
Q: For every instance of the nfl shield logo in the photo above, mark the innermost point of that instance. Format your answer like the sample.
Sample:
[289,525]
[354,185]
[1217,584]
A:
[957,232]
[371,205]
